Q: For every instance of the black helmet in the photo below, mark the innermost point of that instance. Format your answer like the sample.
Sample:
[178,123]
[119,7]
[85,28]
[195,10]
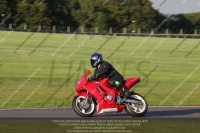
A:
[96,59]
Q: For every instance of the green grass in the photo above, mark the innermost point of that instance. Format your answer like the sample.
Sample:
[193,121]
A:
[155,126]
[15,68]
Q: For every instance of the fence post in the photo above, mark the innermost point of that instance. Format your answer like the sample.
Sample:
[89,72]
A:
[10,26]
[167,31]
[181,31]
[25,27]
[54,28]
[82,29]
[39,27]
[68,28]
[110,30]
[152,31]
[124,30]
[96,30]
[195,32]
[139,31]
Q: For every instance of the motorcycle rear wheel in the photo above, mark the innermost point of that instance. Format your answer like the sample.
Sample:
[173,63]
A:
[83,109]
[137,110]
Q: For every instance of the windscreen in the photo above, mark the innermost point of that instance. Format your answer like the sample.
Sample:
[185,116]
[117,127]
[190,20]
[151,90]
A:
[83,79]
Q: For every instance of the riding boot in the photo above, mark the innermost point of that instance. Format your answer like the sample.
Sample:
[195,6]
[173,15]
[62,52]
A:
[126,92]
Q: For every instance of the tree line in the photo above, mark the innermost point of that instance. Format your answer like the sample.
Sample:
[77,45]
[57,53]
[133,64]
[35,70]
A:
[102,13]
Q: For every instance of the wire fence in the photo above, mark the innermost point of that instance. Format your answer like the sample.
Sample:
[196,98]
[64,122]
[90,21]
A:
[161,32]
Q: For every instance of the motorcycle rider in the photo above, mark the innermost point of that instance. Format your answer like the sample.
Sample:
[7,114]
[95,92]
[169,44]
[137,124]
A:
[105,69]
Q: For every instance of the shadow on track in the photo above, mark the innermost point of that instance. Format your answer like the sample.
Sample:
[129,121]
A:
[163,113]
[178,112]
[114,114]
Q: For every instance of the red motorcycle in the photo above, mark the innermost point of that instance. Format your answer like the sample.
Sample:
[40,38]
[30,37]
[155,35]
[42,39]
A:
[98,95]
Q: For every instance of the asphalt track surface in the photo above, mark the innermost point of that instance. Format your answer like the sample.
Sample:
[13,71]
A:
[154,112]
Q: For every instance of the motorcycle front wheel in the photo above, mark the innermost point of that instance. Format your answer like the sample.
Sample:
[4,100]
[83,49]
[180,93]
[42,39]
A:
[139,109]
[83,107]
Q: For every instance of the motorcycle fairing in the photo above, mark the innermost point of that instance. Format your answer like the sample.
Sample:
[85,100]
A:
[100,92]
[130,82]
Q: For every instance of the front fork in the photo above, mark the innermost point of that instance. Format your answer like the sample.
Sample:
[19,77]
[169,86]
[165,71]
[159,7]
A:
[89,96]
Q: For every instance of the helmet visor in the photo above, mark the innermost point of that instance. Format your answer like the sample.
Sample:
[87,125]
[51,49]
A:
[93,63]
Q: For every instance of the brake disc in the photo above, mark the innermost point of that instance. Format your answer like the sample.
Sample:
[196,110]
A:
[85,105]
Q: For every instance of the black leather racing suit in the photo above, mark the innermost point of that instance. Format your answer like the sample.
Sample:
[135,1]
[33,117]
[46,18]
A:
[107,70]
